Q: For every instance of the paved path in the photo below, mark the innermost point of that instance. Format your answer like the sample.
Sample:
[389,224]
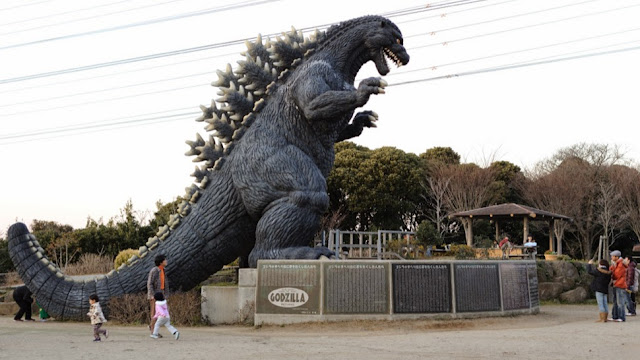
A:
[558,332]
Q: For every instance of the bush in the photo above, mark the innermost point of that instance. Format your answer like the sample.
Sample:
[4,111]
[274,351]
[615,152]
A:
[123,256]
[129,308]
[462,252]
[89,264]
[427,234]
[184,307]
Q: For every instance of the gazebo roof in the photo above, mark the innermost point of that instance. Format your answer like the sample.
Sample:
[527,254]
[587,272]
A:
[510,210]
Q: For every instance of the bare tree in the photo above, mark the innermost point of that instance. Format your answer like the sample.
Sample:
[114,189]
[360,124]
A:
[469,188]
[568,183]
[611,213]
[435,186]
[628,180]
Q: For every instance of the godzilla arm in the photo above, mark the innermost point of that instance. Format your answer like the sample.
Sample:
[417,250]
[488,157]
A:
[324,96]
[360,121]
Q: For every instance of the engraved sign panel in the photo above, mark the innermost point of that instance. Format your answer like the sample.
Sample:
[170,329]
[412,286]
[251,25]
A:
[288,288]
[515,286]
[533,286]
[421,288]
[477,287]
[356,288]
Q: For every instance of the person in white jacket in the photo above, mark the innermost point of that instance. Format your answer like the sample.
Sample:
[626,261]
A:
[97,318]
[162,317]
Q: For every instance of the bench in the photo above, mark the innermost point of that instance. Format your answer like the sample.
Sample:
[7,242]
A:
[522,256]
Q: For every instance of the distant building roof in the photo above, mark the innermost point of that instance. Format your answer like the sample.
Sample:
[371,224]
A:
[510,210]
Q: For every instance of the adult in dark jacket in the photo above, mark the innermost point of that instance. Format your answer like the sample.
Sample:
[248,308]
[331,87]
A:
[22,296]
[600,285]
[156,282]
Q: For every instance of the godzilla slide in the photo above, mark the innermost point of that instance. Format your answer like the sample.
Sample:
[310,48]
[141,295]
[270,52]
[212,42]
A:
[261,189]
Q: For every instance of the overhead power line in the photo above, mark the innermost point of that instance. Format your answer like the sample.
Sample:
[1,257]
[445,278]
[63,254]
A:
[142,23]
[447,42]
[168,53]
[56,133]
[507,18]
[49,16]
[514,66]
[454,12]
[23,5]
[99,124]
[434,67]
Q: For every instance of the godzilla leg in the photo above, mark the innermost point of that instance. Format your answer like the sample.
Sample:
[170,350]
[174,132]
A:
[287,227]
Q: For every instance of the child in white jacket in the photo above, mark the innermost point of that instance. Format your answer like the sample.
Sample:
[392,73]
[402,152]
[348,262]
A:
[162,317]
[97,317]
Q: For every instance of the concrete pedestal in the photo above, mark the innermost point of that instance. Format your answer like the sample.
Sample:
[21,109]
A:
[231,304]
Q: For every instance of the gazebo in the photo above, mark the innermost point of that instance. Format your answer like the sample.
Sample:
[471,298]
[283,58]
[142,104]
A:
[510,212]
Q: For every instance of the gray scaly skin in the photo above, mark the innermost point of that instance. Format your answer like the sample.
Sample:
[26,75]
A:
[262,185]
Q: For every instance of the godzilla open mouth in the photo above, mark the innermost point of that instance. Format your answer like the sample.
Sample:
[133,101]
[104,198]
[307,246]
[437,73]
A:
[388,54]
[392,56]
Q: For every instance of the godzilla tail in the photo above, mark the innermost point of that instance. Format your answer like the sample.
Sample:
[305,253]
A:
[216,231]
[61,296]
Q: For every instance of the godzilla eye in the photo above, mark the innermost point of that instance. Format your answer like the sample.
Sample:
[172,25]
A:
[399,41]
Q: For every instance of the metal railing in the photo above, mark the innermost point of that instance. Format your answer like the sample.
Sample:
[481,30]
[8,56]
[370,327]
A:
[365,244]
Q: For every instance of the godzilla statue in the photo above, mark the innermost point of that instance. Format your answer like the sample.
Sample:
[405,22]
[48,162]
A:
[262,187]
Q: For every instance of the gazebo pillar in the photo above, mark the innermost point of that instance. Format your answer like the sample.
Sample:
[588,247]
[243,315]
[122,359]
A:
[497,231]
[525,229]
[551,231]
[468,230]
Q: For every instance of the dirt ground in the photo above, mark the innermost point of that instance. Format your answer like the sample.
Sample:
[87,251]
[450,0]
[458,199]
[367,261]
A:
[558,332]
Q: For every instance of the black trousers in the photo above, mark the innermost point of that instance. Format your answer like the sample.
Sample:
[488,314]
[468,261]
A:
[25,309]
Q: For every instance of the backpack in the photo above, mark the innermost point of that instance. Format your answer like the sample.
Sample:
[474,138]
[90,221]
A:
[635,281]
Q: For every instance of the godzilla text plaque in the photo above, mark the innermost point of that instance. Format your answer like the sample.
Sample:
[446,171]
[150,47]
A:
[288,288]
[477,287]
[421,288]
[515,286]
[356,288]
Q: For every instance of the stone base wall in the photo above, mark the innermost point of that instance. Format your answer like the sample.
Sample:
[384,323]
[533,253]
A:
[566,281]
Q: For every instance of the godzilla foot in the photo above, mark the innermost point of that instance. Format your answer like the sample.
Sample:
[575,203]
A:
[299,253]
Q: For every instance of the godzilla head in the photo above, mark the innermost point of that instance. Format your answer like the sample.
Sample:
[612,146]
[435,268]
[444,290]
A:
[384,41]
[352,43]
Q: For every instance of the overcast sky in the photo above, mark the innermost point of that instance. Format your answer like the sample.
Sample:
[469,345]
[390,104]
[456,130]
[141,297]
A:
[90,119]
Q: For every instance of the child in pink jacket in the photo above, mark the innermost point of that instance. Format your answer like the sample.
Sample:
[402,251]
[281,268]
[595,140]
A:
[162,317]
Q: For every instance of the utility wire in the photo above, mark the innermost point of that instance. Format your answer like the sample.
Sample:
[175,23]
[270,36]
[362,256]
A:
[142,23]
[23,5]
[91,123]
[514,66]
[148,57]
[433,32]
[146,68]
[447,42]
[107,127]
[120,121]
[431,67]
[70,21]
[107,89]
[49,16]
[454,12]
[98,126]
[111,99]
[434,67]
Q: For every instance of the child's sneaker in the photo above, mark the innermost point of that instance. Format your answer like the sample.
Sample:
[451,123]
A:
[98,339]
[106,334]
[176,335]
[154,336]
